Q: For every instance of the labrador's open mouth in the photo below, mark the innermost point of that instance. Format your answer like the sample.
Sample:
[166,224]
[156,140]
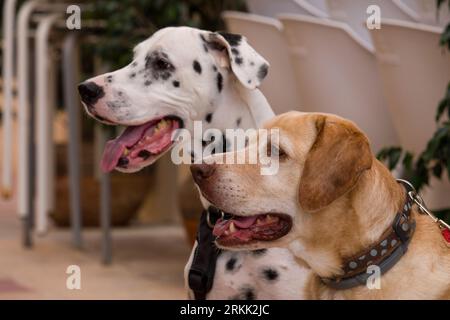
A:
[138,144]
[239,230]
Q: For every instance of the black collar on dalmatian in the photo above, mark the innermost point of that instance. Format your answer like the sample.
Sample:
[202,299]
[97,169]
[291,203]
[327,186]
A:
[203,267]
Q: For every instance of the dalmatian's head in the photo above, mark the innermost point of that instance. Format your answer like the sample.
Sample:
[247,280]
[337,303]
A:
[174,77]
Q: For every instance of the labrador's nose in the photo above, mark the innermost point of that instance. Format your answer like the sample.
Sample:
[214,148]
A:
[90,92]
[202,171]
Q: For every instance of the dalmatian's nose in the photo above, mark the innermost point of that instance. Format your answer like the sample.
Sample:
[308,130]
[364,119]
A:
[90,92]
[202,171]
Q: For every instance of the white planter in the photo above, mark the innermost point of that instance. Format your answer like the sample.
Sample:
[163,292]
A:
[415,72]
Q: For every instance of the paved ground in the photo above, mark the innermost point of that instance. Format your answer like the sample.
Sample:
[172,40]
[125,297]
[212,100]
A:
[148,262]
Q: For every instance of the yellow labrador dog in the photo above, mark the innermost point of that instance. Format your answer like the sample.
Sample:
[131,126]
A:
[336,207]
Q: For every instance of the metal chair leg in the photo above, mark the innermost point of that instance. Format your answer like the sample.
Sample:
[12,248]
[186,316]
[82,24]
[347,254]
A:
[70,61]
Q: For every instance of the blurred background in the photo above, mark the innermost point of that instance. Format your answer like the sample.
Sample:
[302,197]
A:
[131,235]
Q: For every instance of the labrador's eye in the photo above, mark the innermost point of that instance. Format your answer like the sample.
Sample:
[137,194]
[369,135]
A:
[275,151]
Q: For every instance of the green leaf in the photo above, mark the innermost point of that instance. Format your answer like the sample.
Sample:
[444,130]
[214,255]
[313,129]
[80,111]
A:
[390,154]
[437,170]
[408,161]
[445,103]
[395,158]
[448,169]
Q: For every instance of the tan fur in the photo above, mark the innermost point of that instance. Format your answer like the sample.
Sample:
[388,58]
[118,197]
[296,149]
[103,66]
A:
[341,200]
[338,157]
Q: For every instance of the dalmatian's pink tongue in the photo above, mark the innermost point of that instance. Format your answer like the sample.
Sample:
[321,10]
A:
[115,148]
[151,138]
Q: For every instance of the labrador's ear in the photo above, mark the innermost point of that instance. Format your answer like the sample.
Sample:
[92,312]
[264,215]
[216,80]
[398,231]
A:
[338,157]
[233,50]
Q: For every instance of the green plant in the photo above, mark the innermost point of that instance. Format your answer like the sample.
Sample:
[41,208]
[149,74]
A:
[435,159]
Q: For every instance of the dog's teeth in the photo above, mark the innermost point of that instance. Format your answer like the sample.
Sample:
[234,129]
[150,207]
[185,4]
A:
[232,227]
[227,233]
[275,219]
[269,218]
[126,152]
[259,222]
[162,124]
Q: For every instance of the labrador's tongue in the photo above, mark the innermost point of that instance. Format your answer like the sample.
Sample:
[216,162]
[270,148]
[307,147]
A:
[240,222]
[114,148]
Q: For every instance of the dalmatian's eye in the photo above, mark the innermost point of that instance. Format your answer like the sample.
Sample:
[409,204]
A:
[161,64]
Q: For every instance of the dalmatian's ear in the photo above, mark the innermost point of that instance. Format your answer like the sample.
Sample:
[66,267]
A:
[233,50]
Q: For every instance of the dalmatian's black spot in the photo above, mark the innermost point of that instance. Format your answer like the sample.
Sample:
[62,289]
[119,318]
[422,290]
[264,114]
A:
[158,65]
[263,70]
[218,145]
[120,93]
[208,117]
[238,122]
[225,143]
[197,67]
[248,293]
[259,252]
[231,264]
[192,156]
[109,79]
[233,39]
[270,274]
[219,81]
[134,64]
[176,83]
[245,293]
[235,51]
[238,60]
[214,68]
[249,81]
[132,75]
[205,47]
[252,63]
[147,83]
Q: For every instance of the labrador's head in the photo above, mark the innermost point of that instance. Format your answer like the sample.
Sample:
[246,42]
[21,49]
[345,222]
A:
[321,159]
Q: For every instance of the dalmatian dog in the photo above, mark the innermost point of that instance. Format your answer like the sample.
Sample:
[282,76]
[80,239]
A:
[178,76]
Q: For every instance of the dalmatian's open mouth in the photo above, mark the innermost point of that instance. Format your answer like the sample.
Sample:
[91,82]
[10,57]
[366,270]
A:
[240,230]
[139,144]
